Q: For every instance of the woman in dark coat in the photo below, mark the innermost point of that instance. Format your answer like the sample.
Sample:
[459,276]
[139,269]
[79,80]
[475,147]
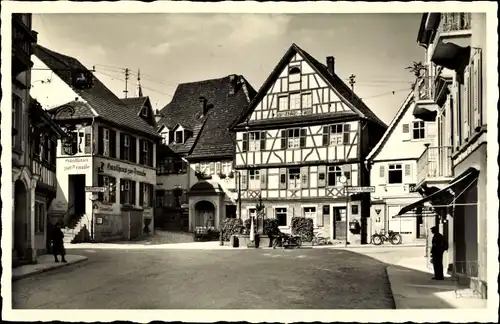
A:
[58,243]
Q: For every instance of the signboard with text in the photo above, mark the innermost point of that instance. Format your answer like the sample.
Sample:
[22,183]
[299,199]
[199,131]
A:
[360,189]
[95,189]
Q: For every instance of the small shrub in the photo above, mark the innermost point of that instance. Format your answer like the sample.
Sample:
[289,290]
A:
[271,226]
[229,227]
[303,227]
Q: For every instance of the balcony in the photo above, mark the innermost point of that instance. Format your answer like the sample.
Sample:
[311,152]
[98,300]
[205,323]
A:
[47,180]
[434,166]
[425,105]
[22,39]
[452,42]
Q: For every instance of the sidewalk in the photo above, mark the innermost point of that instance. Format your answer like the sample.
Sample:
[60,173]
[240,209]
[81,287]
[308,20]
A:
[44,263]
[413,288]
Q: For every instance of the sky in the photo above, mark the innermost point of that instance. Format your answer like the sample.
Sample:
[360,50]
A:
[170,49]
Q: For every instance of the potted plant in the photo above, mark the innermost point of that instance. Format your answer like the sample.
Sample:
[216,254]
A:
[221,175]
[231,175]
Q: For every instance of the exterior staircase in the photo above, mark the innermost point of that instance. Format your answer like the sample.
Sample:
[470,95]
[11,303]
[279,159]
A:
[77,228]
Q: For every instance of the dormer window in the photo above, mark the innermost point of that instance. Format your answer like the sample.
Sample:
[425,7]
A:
[179,136]
[144,112]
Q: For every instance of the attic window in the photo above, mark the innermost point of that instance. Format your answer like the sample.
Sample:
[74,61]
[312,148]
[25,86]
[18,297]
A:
[179,137]
[294,74]
[164,137]
[144,112]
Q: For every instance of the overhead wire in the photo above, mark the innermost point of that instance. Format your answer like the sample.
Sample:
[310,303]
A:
[134,83]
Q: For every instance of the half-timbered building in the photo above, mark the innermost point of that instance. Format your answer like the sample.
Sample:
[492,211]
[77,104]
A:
[303,131]
[197,186]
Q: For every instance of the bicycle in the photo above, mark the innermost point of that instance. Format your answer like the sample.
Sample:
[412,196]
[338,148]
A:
[379,238]
[320,240]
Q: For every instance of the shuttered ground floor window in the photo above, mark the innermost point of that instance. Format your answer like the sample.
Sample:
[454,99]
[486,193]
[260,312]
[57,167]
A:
[282,216]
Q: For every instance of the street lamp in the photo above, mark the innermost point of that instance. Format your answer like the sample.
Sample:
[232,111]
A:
[259,207]
[343,181]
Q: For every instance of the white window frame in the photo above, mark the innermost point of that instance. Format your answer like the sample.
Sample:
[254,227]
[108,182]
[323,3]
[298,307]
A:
[105,140]
[336,138]
[145,148]
[338,174]
[295,100]
[293,179]
[164,137]
[293,142]
[253,141]
[292,76]
[285,212]
[126,147]
[420,128]
[395,167]
[306,103]
[226,167]
[254,179]
[283,103]
[182,135]
[310,214]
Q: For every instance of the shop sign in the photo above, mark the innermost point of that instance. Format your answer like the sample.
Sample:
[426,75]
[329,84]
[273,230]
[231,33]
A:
[78,164]
[121,169]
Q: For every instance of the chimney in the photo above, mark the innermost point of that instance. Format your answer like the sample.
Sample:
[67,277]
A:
[330,64]
[232,84]
[203,105]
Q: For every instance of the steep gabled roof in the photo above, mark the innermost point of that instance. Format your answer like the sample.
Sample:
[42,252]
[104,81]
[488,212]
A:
[395,121]
[103,103]
[336,83]
[210,134]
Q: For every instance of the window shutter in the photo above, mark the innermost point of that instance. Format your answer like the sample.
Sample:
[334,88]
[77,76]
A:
[325,135]
[430,129]
[217,168]
[112,184]
[151,195]
[141,194]
[346,170]
[122,146]
[465,102]
[263,141]
[263,179]
[245,142]
[283,182]
[382,171]
[347,133]
[321,174]
[455,123]
[304,177]
[134,191]
[88,137]
[133,149]
[100,139]
[141,154]
[303,133]
[150,153]
[407,170]
[100,183]
[244,178]
[319,218]
[283,140]
[477,87]
[112,143]
[406,132]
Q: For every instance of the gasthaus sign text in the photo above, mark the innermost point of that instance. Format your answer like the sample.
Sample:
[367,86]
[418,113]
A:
[121,169]
[76,164]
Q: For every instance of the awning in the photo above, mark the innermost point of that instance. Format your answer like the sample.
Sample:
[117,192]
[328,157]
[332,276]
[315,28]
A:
[446,196]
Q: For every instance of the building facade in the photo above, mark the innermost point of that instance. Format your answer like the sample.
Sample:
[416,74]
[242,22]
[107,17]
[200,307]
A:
[34,135]
[112,146]
[454,46]
[394,173]
[197,185]
[302,133]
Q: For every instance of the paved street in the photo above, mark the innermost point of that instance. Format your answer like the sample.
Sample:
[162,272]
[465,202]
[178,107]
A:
[204,279]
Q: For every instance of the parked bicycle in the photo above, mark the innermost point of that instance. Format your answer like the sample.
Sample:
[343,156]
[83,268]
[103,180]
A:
[286,240]
[320,240]
[394,237]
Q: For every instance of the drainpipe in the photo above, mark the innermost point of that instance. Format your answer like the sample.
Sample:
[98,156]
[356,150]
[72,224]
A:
[239,194]
[92,177]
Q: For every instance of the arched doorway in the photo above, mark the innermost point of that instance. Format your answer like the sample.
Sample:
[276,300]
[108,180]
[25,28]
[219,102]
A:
[21,206]
[204,214]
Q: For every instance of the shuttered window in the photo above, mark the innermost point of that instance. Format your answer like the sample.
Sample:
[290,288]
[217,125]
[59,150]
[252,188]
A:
[382,171]
[465,102]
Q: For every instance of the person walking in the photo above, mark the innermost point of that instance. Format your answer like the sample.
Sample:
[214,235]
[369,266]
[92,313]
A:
[58,243]
[439,245]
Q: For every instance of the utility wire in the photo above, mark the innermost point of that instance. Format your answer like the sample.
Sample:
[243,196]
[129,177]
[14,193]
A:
[386,93]
[123,80]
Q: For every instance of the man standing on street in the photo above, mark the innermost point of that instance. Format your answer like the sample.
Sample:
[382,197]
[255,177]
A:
[58,243]
[439,245]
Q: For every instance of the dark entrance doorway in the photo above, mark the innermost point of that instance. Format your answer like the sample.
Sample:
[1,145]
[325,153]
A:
[21,227]
[204,214]
[339,223]
[76,197]
[230,211]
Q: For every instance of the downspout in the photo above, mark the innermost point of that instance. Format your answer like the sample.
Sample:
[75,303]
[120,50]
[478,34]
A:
[239,194]
[92,176]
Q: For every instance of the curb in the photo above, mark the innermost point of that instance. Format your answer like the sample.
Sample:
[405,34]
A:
[60,265]
[393,296]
